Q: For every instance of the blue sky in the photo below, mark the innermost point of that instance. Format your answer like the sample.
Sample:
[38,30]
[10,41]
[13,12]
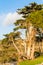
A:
[8,14]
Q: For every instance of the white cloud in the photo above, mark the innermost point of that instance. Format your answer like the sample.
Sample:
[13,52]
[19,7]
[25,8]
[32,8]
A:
[9,18]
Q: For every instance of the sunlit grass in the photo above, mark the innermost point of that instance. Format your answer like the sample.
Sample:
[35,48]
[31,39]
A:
[32,62]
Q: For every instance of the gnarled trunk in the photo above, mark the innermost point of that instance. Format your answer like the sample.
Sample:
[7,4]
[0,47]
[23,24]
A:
[31,39]
[15,46]
[32,52]
[24,44]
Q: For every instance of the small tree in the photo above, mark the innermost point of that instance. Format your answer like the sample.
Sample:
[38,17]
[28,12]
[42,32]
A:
[11,39]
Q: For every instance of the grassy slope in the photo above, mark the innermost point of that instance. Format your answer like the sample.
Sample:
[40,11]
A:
[32,62]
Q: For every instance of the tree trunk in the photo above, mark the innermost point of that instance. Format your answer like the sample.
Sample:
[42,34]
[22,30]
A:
[24,42]
[42,46]
[33,49]
[30,38]
[15,47]
[28,52]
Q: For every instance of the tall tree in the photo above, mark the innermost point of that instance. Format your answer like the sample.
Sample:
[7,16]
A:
[33,21]
[36,18]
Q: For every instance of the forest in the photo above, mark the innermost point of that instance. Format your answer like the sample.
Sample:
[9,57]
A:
[13,47]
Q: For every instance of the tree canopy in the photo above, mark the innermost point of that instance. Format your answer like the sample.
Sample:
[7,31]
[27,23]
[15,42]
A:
[36,18]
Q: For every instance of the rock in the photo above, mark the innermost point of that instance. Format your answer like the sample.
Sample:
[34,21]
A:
[15,63]
[40,64]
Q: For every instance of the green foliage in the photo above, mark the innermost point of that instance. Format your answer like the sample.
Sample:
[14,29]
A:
[29,13]
[12,35]
[30,8]
[36,18]
[20,24]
